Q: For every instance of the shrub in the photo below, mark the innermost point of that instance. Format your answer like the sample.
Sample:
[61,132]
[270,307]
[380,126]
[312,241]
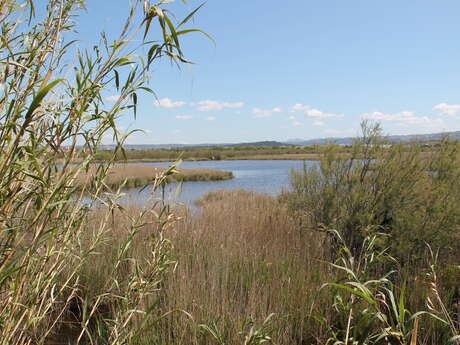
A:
[411,195]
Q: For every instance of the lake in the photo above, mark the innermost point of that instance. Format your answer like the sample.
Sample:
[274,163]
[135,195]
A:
[261,176]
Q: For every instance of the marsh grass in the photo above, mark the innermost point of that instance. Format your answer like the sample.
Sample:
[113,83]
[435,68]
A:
[219,153]
[245,268]
[240,260]
[249,269]
[130,176]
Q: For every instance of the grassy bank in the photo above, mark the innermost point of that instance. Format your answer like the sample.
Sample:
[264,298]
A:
[219,153]
[316,152]
[131,176]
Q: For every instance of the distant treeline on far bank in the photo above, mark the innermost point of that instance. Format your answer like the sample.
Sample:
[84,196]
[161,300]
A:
[310,152]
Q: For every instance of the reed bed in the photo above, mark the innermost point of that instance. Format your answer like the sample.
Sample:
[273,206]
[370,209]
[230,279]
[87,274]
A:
[245,266]
[240,260]
[131,176]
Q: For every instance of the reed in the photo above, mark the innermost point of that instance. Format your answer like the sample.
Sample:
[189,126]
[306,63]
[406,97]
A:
[52,113]
[240,260]
[245,268]
[131,176]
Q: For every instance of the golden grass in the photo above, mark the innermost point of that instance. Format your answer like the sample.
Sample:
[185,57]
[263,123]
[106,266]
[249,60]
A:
[240,260]
[141,175]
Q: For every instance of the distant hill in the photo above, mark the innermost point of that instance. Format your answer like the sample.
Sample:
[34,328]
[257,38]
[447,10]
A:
[297,142]
[392,138]
[185,146]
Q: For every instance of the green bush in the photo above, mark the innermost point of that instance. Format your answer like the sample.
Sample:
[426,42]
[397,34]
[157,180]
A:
[412,196]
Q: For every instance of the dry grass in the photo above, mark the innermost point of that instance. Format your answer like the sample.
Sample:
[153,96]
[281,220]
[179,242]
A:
[240,260]
[140,175]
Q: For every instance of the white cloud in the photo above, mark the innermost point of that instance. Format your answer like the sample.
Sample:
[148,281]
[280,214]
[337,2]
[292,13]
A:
[318,123]
[300,107]
[408,119]
[447,109]
[262,113]
[294,122]
[404,117]
[318,114]
[168,103]
[312,112]
[177,131]
[210,118]
[217,105]
[184,117]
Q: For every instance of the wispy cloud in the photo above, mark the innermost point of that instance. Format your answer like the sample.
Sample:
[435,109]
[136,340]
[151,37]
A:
[210,118]
[295,122]
[318,114]
[177,131]
[447,109]
[263,113]
[404,117]
[168,103]
[209,105]
[300,107]
[184,117]
[309,111]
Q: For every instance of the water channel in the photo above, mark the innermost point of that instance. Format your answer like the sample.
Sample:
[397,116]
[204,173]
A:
[261,176]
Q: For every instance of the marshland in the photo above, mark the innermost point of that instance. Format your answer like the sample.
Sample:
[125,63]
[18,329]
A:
[131,176]
[359,246]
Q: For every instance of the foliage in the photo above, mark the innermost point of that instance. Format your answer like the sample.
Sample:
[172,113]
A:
[411,195]
[215,153]
[50,109]
[371,310]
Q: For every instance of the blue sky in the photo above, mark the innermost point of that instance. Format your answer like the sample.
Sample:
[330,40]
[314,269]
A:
[300,69]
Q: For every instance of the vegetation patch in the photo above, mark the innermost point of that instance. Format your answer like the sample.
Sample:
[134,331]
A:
[131,176]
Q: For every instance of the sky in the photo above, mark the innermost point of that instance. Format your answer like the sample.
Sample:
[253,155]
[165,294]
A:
[305,69]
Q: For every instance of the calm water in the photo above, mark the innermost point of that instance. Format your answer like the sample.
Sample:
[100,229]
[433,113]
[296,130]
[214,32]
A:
[262,176]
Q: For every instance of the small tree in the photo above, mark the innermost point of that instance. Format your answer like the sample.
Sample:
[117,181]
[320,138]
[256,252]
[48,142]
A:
[397,189]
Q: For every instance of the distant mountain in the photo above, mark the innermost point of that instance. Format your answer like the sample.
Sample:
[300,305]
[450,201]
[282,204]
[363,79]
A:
[185,146]
[297,142]
[392,138]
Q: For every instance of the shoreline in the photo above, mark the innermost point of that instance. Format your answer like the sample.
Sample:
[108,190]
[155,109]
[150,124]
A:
[286,157]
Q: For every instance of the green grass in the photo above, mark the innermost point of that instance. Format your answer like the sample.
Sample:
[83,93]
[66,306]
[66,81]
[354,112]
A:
[217,153]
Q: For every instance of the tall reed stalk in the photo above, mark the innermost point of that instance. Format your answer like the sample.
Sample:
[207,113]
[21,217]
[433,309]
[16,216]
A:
[50,108]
